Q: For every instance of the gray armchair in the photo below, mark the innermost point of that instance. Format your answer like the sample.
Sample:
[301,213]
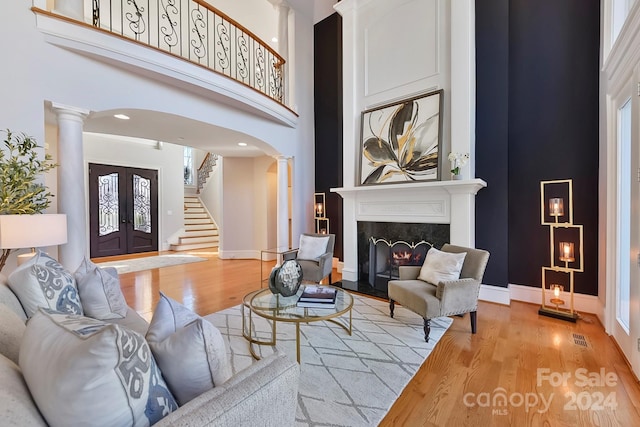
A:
[448,298]
[316,269]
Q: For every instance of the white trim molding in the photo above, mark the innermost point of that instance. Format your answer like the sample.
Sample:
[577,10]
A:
[582,302]
[495,294]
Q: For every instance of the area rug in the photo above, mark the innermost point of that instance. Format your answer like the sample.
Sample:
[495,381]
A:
[147,263]
[344,380]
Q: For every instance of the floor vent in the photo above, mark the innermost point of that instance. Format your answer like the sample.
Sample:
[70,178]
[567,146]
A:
[580,340]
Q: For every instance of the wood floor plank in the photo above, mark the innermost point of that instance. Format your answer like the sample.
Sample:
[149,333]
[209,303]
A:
[461,381]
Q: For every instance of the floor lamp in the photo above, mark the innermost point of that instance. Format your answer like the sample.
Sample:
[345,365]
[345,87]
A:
[565,246]
[30,231]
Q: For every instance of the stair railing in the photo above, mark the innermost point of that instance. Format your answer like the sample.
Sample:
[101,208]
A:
[205,169]
[196,31]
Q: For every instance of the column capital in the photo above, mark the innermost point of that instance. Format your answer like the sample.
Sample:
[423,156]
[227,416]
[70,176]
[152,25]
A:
[281,157]
[62,109]
[280,3]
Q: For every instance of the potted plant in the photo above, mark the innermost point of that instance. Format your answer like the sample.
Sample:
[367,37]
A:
[21,189]
[457,161]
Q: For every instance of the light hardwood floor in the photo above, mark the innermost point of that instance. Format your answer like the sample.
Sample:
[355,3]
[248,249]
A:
[516,356]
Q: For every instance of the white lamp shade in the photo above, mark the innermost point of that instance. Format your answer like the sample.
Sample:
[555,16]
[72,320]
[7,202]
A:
[32,231]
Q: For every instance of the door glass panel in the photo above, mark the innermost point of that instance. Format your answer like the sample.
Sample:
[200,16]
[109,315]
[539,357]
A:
[624,213]
[108,203]
[141,204]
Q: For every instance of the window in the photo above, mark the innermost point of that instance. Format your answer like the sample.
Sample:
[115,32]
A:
[619,12]
[188,166]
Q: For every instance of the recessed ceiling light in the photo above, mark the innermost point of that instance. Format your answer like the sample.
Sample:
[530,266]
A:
[121,116]
[242,144]
[274,39]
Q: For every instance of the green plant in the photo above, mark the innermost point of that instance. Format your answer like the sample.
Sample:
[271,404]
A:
[21,192]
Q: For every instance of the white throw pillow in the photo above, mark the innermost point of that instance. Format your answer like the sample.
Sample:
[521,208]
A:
[100,292]
[190,351]
[441,266]
[312,247]
[82,371]
[43,282]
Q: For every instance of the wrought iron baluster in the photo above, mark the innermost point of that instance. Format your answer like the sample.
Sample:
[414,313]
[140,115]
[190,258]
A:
[223,40]
[169,34]
[136,21]
[197,42]
[242,56]
[96,13]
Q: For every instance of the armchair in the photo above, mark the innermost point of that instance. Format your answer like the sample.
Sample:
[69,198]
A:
[446,298]
[315,256]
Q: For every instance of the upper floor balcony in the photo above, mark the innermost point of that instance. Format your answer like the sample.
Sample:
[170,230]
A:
[189,41]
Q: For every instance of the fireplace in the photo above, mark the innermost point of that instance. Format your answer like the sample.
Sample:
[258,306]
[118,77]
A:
[385,246]
[445,208]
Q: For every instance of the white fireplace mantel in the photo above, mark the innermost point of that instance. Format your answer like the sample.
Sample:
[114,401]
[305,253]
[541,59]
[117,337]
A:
[432,202]
[471,186]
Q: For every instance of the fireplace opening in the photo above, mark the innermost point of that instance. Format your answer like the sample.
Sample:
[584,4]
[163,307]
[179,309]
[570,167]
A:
[385,246]
[386,257]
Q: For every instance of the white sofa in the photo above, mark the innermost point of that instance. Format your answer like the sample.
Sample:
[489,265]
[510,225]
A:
[264,394]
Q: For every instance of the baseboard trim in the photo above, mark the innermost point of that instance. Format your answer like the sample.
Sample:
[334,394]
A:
[238,254]
[495,294]
[582,302]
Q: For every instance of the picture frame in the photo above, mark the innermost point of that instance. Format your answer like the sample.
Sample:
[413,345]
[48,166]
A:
[401,142]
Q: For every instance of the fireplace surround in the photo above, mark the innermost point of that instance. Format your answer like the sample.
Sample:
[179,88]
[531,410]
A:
[450,203]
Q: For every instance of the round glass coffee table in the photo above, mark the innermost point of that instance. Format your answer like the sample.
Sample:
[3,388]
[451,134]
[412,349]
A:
[277,308]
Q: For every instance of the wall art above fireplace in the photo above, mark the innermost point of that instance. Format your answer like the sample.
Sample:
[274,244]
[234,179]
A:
[402,142]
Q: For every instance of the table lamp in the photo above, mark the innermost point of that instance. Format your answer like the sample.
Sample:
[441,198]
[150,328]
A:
[30,231]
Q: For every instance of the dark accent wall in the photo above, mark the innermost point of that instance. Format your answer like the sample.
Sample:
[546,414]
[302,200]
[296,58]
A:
[552,129]
[328,119]
[492,136]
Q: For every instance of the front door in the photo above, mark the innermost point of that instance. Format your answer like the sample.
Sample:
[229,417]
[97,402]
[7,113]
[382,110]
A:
[123,210]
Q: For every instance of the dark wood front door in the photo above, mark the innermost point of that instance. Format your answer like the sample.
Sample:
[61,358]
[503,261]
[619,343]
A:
[123,210]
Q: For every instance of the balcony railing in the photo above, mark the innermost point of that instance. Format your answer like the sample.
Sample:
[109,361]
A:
[196,31]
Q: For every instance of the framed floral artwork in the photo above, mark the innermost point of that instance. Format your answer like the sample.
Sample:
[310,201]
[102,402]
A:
[401,142]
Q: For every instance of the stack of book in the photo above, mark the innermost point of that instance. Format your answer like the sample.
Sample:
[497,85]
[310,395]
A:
[315,296]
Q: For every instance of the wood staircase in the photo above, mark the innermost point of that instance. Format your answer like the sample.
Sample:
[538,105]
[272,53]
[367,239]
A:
[199,229]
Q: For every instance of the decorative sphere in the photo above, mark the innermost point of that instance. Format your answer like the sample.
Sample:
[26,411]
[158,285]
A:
[286,279]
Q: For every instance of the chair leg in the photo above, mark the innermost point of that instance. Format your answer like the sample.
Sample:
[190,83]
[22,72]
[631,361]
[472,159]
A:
[392,304]
[473,321]
[427,329]
[329,278]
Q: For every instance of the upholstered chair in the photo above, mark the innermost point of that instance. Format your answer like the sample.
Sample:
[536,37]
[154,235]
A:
[445,298]
[315,256]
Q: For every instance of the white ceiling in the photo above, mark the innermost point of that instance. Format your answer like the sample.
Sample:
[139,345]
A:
[165,127]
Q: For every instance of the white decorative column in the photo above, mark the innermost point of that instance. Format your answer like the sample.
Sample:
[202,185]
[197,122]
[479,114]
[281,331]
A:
[350,127]
[282,207]
[283,9]
[463,82]
[71,191]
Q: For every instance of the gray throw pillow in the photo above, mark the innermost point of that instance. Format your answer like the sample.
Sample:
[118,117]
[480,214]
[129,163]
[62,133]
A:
[100,292]
[82,371]
[43,282]
[190,351]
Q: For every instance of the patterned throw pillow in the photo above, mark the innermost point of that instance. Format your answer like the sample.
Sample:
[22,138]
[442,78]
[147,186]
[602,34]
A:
[100,292]
[441,266]
[190,351]
[82,371]
[43,282]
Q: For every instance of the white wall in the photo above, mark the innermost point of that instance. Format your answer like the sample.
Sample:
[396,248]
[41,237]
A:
[238,208]
[168,162]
